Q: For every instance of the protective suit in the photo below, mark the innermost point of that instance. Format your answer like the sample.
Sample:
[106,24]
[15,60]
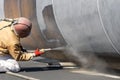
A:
[11,49]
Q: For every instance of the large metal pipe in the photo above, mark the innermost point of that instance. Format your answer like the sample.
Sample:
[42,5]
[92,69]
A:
[89,25]
[86,25]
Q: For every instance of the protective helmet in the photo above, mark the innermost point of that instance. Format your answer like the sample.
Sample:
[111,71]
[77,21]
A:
[22,27]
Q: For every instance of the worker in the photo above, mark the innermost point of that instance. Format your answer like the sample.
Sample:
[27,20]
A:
[11,50]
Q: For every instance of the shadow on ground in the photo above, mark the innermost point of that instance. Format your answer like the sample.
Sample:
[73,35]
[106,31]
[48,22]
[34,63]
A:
[36,69]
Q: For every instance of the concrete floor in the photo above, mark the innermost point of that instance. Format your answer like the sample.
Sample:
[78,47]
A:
[38,69]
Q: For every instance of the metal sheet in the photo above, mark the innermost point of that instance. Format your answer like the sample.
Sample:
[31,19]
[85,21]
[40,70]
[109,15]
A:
[80,23]
[109,13]
[47,24]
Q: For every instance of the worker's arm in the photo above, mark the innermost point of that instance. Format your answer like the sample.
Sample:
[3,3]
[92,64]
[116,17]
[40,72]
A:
[16,52]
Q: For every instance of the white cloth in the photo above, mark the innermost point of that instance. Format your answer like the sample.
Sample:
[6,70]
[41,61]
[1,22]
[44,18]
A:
[7,63]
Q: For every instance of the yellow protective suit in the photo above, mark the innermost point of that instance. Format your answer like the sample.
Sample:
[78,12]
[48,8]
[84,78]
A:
[10,43]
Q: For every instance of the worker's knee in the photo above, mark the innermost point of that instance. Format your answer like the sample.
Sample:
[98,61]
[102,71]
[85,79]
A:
[13,65]
[9,65]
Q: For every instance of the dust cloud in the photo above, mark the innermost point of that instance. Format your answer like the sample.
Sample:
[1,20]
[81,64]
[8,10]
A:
[86,60]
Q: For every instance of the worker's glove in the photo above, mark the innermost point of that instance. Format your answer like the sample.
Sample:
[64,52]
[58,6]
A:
[39,52]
